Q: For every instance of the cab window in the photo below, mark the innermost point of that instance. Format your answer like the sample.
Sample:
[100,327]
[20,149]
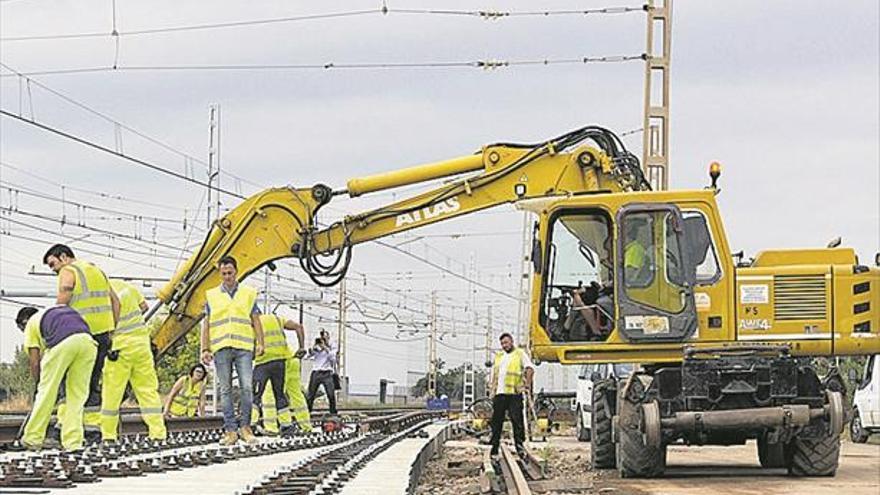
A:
[578,299]
[702,248]
[653,272]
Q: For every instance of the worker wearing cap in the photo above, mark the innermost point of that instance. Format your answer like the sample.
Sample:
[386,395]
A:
[59,348]
[187,396]
[85,288]
[271,368]
[231,336]
[512,374]
[130,360]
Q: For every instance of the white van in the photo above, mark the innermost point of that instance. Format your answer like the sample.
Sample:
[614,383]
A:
[866,403]
[588,375]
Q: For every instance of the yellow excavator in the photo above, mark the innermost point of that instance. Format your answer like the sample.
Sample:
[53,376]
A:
[620,274]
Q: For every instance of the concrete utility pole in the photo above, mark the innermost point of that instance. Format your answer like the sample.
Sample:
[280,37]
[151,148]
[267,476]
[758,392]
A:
[214,161]
[655,127]
[340,334]
[522,318]
[488,336]
[432,349]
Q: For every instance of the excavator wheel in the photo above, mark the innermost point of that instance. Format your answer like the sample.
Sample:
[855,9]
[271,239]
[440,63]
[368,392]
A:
[640,451]
[602,454]
[818,455]
[771,455]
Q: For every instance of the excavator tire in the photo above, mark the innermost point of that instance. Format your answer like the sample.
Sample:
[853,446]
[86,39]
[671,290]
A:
[602,454]
[771,455]
[814,456]
[635,458]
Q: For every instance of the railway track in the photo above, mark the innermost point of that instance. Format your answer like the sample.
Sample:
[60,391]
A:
[131,423]
[332,458]
[510,473]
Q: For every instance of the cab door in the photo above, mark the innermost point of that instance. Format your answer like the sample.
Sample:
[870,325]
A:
[654,275]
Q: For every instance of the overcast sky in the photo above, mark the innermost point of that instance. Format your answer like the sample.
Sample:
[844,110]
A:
[784,94]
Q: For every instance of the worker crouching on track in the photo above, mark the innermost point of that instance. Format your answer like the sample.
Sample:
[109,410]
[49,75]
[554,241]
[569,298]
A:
[130,360]
[231,336]
[187,396]
[59,348]
[271,368]
[511,377]
[85,288]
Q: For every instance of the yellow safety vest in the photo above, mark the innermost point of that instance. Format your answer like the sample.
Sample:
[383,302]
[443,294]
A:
[131,329]
[91,296]
[274,340]
[186,402]
[513,378]
[230,320]
[634,255]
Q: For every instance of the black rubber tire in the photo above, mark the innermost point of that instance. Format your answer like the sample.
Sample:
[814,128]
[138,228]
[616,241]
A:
[634,458]
[857,432]
[814,456]
[771,455]
[602,453]
[583,434]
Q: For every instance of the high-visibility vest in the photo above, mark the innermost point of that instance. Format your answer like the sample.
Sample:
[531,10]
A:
[274,341]
[634,255]
[131,328]
[513,378]
[230,320]
[91,296]
[186,402]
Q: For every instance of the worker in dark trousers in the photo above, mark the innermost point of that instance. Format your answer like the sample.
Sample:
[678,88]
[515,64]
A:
[511,377]
[83,287]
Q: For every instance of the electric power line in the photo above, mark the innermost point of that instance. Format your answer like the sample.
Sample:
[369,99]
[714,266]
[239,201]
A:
[120,124]
[487,64]
[119,154]
[382,11]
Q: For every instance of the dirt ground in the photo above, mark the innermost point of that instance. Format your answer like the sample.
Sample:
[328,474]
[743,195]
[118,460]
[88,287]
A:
[690,471]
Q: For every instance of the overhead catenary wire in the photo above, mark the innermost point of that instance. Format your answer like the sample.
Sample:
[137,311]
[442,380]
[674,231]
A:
[119,124]
[119,154]
[384,10]
[486,64]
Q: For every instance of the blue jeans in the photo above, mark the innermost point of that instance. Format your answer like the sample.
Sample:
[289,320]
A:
[224,360]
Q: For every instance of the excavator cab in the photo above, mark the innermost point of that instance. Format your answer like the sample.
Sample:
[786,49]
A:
[623,274]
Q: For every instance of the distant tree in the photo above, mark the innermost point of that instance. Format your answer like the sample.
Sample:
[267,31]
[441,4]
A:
[15,378]
[451,382]
[177,361]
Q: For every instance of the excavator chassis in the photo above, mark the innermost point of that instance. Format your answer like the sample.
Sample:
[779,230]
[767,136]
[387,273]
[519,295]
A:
[726,396]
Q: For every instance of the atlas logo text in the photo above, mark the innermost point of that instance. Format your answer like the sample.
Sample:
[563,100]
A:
[446,206]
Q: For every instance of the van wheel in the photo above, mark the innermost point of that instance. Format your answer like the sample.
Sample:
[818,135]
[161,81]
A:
[857,432]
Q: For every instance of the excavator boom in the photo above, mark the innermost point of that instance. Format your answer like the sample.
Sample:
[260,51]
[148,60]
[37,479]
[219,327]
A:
[282,222]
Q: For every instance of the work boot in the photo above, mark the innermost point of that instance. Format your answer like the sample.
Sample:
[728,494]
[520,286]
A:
[247,435]
[92,437]
[521,451]
[288,431]
[229,438]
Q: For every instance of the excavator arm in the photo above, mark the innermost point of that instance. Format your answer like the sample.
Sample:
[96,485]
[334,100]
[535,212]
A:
[282,222]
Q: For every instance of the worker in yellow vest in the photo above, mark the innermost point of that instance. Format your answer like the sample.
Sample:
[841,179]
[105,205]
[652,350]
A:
[512,374]
[187,396]
[271,368]
[298,405]
[130,360]
[86,289]
[635,254]
[231,336]
[60,349]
